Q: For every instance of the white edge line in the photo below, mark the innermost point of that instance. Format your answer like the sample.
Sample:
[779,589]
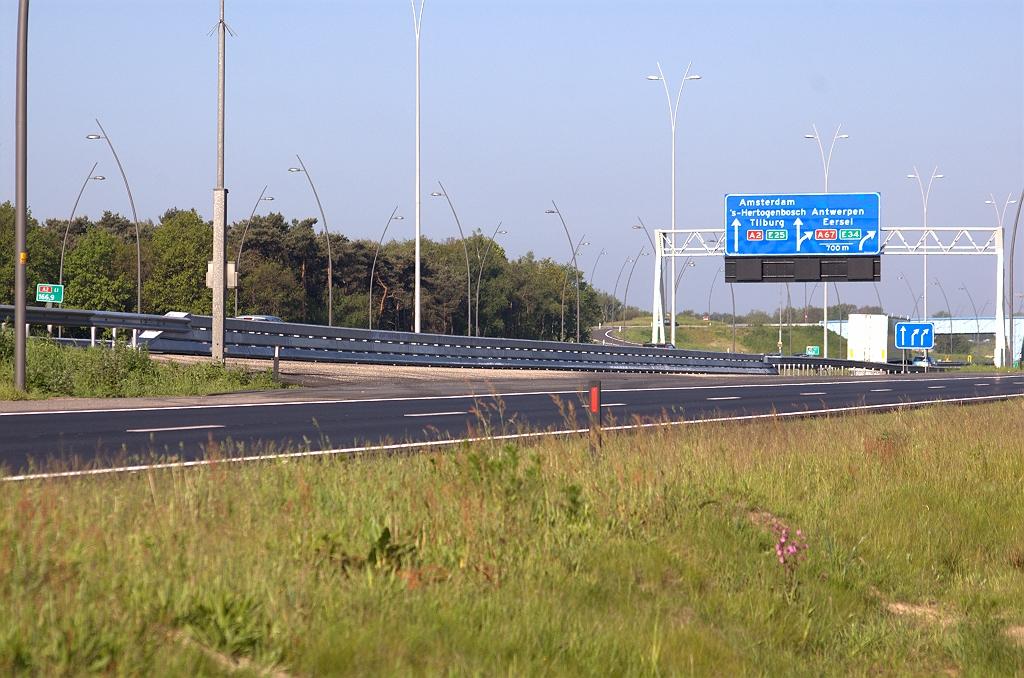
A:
[434,414]
[174,428]
[512,436]
[279,403]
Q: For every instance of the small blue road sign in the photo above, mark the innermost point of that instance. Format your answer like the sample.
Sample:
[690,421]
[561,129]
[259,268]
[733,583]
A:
[915,335]
[812,224]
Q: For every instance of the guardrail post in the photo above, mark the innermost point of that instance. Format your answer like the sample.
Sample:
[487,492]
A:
[277,362]
[594,410]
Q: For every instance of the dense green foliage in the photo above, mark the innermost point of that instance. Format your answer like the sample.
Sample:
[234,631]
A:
[121,371]
[657,557]
[283,272]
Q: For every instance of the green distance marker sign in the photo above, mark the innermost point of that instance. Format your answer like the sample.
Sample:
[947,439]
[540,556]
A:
[812,350]
[50,293]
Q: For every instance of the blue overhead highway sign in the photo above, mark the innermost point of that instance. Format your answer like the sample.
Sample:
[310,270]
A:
[915,335]
[812,224]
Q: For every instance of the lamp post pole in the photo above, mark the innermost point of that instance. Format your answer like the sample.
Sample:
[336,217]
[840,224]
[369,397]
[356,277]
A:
[480,275]
[327,234]
[1013,242]
[417,19]
[825,165]
[373,268]
[131,201]
[924,203]
[1000,217]
[657,332]
[21,197]
[673,111]
[238,259]
[565,283]
[465,250]
[575,267]
[625,295]
[64,243]
[220,207]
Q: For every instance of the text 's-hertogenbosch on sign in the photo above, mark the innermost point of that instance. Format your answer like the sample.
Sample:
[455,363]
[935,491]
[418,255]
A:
[813,224]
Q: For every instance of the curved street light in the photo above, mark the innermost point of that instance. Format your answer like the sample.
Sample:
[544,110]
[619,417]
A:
[625,295]
[913,297]
[238,259]
[330,267]
[469,275]
[950,316]
[615,297]
[826,165]
[64,244]
[664,289]
[977,323]
[712,290]
[135,217]
[479,276]
[373,268]
[673,111]
[569,238]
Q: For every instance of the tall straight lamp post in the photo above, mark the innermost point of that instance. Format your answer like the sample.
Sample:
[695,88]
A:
[220,205]
[825,165]
[673,110]
[327,235]
[417,19]
[925,194]
[21,197]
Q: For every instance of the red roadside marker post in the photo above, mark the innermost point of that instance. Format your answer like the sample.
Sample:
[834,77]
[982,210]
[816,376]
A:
[594,410]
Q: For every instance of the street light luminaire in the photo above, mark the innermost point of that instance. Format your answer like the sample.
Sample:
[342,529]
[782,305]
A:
[294,169]
[810,136]
[550,212]
[93,136]
[653,77]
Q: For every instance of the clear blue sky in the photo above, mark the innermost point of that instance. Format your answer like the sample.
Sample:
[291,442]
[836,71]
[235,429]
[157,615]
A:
[524,102]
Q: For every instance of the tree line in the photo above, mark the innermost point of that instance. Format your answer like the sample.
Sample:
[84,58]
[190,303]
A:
[283,269]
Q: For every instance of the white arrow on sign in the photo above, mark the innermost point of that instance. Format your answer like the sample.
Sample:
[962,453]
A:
[903,335]
[924,333]
[869,236]
[799,240]
[913,335]
[736,235]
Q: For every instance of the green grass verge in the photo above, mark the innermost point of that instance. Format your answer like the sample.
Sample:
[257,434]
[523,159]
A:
[657,557]
[756,339]
[55,370]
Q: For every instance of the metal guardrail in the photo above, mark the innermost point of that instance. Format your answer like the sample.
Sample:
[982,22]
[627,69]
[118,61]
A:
[191,335]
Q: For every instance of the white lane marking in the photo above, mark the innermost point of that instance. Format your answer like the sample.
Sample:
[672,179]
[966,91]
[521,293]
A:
[936,387]
[726,398]
[814,393]
[613,404]
[983,384]
[174,428]
[799,414]
[436,414]
[880,390]
[279,403]
[1019,382]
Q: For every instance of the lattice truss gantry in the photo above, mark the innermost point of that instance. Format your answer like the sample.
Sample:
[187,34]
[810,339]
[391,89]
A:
[903,240]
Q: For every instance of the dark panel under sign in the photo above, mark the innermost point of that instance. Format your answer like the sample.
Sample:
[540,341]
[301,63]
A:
[803,269]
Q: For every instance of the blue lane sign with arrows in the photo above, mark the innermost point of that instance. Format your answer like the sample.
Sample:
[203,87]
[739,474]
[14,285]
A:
[812,224]
[915,335]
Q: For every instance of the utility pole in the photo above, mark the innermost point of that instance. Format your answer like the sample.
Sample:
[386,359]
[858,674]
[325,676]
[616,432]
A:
[20,197]
[220,207]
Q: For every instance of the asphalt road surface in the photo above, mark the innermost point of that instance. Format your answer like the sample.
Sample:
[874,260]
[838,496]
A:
[278,421]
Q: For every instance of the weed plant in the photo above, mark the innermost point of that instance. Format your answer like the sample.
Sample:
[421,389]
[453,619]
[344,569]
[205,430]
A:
[655,557]
[121,371]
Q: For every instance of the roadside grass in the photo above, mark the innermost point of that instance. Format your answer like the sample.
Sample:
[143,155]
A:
[655,557]
[717,336]
[55,370]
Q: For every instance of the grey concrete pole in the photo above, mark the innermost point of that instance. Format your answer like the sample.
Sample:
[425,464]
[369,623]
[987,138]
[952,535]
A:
[220,208]
[21,197]
[417,23]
